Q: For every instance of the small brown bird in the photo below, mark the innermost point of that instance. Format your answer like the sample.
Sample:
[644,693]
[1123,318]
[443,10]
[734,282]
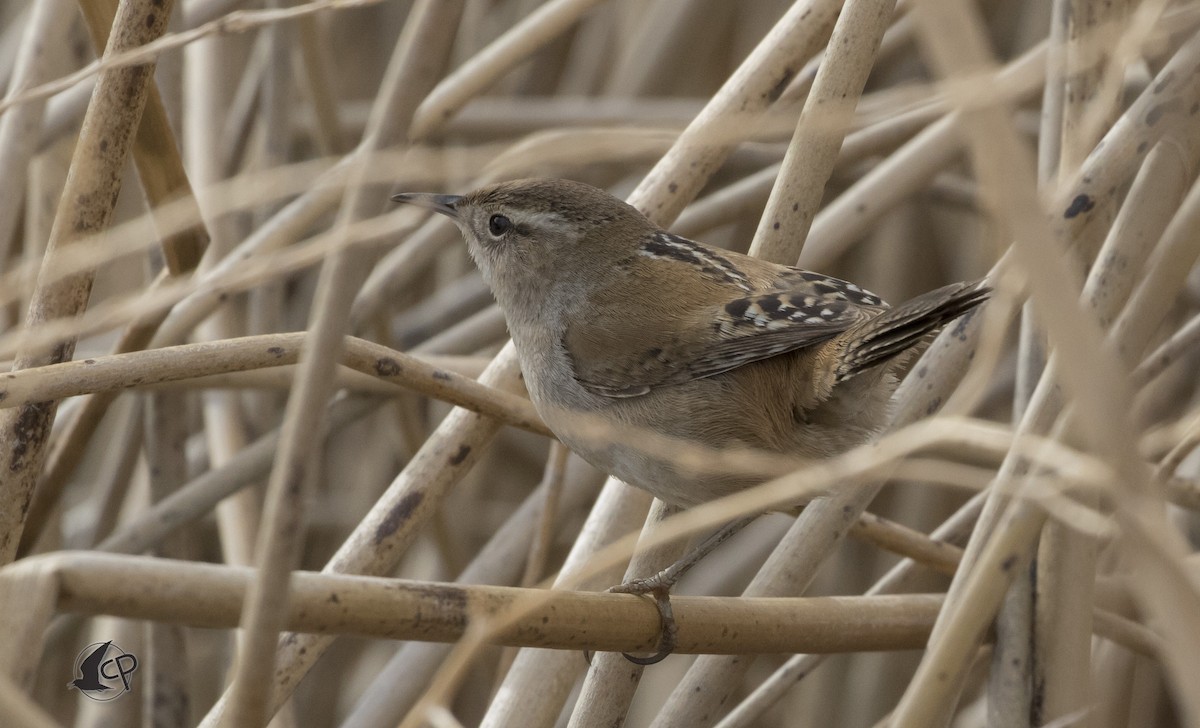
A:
[618,319]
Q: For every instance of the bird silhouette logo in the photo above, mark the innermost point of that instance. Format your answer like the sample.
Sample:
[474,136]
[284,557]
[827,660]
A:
[105,671]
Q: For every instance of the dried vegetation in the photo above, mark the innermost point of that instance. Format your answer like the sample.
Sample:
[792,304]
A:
[247,391]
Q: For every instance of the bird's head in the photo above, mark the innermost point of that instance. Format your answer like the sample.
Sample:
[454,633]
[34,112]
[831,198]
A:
[541,242]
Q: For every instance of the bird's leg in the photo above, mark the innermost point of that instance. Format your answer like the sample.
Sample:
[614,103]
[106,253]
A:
[659,586]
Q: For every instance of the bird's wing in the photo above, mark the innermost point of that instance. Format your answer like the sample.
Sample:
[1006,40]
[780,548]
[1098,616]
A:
[670,341]
[91,664]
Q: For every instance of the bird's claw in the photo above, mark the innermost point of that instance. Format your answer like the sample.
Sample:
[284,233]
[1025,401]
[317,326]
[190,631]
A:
[660,589]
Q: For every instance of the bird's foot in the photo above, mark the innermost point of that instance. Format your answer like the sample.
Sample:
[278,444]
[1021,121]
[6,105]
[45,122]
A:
[658,587]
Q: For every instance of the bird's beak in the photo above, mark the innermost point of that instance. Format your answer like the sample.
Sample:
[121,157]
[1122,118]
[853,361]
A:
[444,204]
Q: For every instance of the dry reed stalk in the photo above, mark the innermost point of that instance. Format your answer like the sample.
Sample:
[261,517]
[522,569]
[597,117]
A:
[115,481]
[316,74]
[166,364]
[347,379]
[45,34]
[83,583]
[611,680]
[156,155]
[21,709]
[490,63]
[757,83]
[820,131]
[496,563]
[1067,558]
[86,205]
[925,698]
[798,667]
[166,433]
[205,81]
[852,214]
[195,499]
[844,470]
[282,529]
[615,509]
[239,21]
[380,538]
[67,449]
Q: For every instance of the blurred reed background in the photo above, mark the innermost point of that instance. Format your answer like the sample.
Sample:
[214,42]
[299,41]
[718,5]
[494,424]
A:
[174,444]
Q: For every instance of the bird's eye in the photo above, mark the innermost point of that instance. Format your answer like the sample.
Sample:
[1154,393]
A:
[498,225]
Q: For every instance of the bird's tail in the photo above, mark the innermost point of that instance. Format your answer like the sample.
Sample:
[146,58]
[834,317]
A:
[898,329]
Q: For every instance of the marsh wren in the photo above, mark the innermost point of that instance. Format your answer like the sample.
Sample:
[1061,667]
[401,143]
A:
[614,318]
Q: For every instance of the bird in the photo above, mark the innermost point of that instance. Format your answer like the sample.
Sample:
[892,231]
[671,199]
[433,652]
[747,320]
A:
[89,671]
[618,321]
